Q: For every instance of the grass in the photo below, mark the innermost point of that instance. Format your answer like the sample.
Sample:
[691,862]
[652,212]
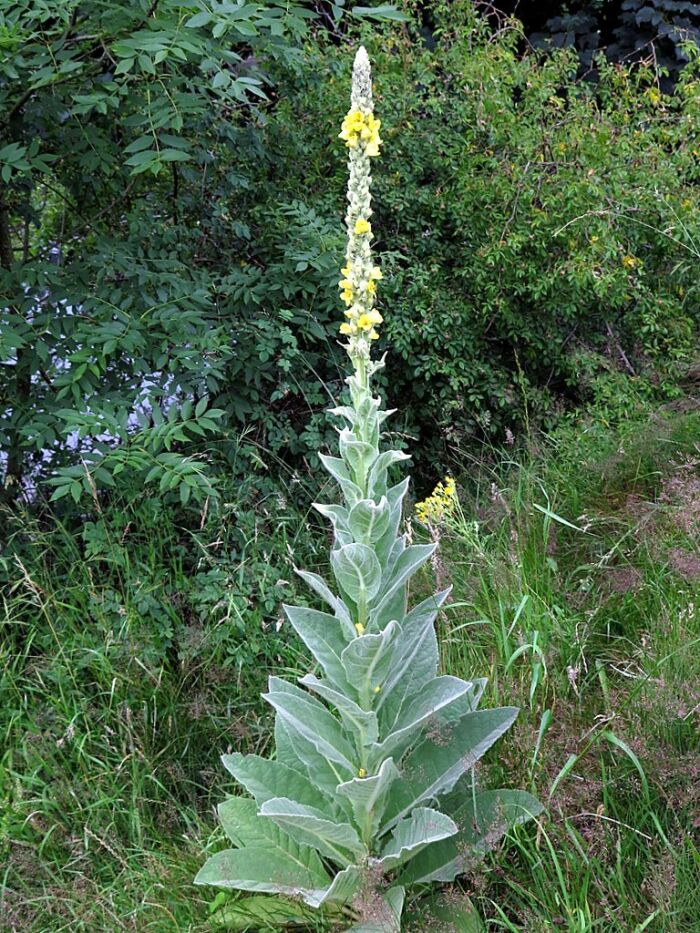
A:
[128,665]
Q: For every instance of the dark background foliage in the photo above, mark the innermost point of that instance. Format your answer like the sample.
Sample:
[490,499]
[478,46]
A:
[627,30]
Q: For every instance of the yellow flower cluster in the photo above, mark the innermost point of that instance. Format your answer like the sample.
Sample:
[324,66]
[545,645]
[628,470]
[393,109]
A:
[359,127]
[358,285]
[359,297]
[439,504]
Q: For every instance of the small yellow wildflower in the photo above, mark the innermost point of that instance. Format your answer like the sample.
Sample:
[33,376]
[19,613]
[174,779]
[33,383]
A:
[362,226]
[371,287]
[377,689]
[347,329]
[439,504]
[376,273]
[360,628]
[629,262]
[373,335]
[347,296]
[362,773]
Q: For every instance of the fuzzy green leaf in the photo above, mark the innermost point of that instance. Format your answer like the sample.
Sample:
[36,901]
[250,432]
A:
[323,636]
[358,572]
[311,827]
[483,820]
[422,828]
[439,761]
[368,795]
[265,778]
[356,721]
[367,661]
[313,721]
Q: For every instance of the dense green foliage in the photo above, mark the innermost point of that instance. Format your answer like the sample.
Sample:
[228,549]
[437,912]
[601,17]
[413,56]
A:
[126,128]
[171,237]
[626,30]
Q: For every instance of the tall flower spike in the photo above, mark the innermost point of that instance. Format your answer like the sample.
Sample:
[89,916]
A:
[346,816]
[360,132]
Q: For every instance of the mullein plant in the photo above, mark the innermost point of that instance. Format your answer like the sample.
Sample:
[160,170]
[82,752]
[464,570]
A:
[372,790]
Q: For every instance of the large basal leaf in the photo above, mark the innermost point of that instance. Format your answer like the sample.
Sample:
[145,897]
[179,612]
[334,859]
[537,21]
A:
[440,760]
[267,871]
[433,697]
[422,828]
[264,778]
[360,723]
[483,820]
[315,723]
[309,826]
[325,639]
[262,912]
[367,660]
[358,572]
[368,795]
[268,859]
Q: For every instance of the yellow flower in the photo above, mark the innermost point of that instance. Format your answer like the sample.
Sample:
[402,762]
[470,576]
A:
[345,271]
[376,273]
[360,127]
[345,283]
[629,262]
[376,689]
[373,335]
[439,504]
[346,296]
[362,226]
[362,773]
[360,628]
[367,320]
[347,329]
[371,287]
[352,127]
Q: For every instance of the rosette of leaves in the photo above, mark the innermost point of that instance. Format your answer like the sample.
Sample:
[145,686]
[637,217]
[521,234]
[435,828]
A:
[372,789]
